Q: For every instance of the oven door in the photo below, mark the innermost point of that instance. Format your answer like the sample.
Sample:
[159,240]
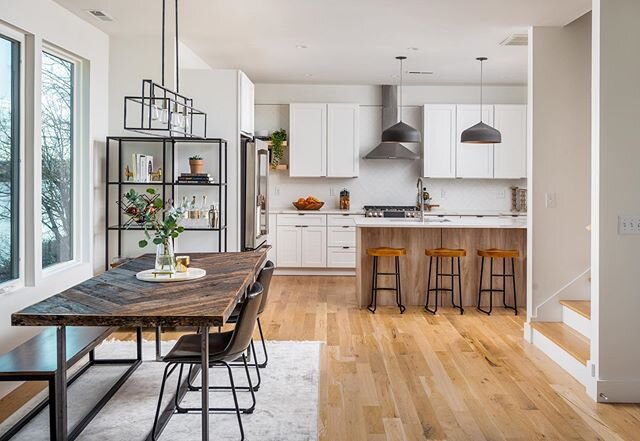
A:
[257,194]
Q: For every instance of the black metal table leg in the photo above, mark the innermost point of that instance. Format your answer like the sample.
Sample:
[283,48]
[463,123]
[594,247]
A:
[60,396]
[204,378]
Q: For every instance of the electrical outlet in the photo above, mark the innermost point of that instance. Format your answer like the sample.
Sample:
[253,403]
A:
[500,194]
[550,200]
[332,192]
[277,190]
[628,225]
[443,193]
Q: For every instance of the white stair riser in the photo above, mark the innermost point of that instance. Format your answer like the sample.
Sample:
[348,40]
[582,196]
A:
[578,322]
[566,361]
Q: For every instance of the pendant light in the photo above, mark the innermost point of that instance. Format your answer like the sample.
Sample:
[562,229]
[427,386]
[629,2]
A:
[401,132]
[481,133]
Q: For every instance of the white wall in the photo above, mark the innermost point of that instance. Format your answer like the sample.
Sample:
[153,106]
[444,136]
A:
[616,279]
[383,181]
[46,21]
[560,95]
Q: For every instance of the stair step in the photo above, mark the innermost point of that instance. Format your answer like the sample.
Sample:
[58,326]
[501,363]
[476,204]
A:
[572,342]
[582,307]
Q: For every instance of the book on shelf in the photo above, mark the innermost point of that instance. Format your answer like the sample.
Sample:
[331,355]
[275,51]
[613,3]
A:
[142,166]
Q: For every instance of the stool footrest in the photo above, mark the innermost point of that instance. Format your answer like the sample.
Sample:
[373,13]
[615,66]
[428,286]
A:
[387,274]
[440,289]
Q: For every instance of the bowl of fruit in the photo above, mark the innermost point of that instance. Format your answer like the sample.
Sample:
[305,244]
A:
[310,203]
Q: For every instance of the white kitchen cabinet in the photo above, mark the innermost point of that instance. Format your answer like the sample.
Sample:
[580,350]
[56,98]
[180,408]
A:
[324,140]
[341,257]
[314,247]
[510,156]
[289,246]
[342,236]
[307,140]
[439,141]
[473,160]
[343,140]
[247,104]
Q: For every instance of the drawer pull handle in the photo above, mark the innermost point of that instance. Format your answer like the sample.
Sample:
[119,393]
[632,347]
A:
[346,248]
[345,226]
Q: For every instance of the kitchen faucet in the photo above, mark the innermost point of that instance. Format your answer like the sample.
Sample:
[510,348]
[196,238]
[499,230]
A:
[420,200]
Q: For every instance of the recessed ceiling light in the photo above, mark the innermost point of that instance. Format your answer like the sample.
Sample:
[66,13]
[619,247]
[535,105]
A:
[302,46]
[413,49]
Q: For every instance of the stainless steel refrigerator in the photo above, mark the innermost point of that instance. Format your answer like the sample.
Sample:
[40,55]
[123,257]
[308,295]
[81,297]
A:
[254,155]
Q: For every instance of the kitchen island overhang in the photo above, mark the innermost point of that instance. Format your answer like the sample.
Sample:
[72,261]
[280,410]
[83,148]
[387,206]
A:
[469,233]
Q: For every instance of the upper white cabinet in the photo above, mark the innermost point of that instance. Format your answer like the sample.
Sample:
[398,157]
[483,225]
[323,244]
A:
[473,160]
[439,141]
[323,140]
[308,139]
[247,104]
[510,156]
[343,140]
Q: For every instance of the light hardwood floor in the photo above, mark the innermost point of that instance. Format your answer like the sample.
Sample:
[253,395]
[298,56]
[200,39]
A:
[388,377]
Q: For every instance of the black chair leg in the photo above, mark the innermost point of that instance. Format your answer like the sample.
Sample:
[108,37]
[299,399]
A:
[374,285]
[264,347]
[251,388]
[513,280]
[426,303]
[398,287]
[168,370]
[235,400]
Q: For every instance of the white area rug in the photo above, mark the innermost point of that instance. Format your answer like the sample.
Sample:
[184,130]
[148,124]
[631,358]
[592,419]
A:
[286,409]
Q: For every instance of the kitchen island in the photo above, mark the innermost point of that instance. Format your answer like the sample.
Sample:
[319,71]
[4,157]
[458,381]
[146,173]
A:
[469,233]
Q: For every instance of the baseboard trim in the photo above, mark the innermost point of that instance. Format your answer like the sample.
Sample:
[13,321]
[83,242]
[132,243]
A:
[313,272]
[618,391]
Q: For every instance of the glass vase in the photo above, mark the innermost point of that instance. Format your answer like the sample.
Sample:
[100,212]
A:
[165,258]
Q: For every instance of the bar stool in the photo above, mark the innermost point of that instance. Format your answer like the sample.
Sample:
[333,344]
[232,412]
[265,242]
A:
[385,252]
[495,253]
[440,254]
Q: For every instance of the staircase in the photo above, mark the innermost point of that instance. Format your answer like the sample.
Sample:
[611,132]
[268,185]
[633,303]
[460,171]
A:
[567,342]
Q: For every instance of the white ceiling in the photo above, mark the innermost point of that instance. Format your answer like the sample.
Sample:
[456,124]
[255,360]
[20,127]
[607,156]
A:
[348,41]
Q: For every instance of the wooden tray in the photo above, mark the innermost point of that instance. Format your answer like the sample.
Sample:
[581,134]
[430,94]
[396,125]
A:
[151,276]
[309,207]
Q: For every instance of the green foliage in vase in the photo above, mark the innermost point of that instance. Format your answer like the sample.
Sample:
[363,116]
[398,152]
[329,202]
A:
[147,210]
[277,148]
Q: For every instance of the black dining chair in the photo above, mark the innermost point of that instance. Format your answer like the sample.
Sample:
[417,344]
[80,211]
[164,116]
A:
[224,348]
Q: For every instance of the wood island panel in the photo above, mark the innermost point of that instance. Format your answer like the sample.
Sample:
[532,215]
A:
[414,266]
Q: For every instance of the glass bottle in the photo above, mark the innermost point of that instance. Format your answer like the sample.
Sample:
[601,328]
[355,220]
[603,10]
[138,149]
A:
[193,209]
[203,210]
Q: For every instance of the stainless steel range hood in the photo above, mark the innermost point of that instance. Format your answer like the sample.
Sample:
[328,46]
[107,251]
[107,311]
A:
[390,150]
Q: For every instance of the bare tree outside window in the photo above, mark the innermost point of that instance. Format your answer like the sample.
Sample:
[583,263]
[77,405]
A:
[57,156]
[9,158]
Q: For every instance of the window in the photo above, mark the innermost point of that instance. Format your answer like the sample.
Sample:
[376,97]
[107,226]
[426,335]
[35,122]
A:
[57,159]
[9,157]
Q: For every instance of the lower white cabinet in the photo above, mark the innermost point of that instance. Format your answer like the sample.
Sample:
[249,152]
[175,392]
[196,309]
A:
[314,247]
[315,241]
[289,246]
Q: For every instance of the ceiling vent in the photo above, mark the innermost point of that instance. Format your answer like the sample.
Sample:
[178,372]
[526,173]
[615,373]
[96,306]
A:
[516,40]
[100,15]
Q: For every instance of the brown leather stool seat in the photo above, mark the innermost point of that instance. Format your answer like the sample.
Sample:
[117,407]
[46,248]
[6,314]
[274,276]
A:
[376,253]
[386,252]
[440,254]
[445,252]
[497,253]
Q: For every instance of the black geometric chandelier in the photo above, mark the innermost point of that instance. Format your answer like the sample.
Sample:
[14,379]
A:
[159,111]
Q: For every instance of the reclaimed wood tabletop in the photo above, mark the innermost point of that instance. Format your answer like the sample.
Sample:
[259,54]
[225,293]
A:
[117,298]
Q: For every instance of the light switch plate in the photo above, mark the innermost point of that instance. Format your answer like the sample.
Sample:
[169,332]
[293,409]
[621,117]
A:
[550,200]
[628,225]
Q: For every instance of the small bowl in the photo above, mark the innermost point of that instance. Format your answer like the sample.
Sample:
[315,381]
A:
[309,207]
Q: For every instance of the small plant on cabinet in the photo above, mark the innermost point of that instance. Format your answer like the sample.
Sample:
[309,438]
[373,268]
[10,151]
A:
[278,138]
[196,164]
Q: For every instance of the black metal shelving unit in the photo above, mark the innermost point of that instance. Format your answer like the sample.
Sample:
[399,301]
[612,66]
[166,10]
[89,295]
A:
[168,183]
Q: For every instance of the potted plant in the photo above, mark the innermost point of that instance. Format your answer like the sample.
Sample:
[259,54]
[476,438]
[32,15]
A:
[160,224]
[278,139]
[196,164]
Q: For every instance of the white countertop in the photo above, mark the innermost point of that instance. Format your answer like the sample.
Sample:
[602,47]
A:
[321,211]
[446,222]
[463,212]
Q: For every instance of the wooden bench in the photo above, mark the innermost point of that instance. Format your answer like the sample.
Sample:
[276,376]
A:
[36,360]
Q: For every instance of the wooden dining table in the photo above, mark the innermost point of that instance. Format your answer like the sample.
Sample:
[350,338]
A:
[118,298]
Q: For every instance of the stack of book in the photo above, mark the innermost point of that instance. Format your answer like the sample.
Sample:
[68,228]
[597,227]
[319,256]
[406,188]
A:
[142,167]
[196,178]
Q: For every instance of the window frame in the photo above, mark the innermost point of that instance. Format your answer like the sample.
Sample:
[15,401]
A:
[77,138]
[18,150]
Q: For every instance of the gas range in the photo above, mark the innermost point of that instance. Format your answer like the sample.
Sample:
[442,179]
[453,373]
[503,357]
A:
[405,211]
